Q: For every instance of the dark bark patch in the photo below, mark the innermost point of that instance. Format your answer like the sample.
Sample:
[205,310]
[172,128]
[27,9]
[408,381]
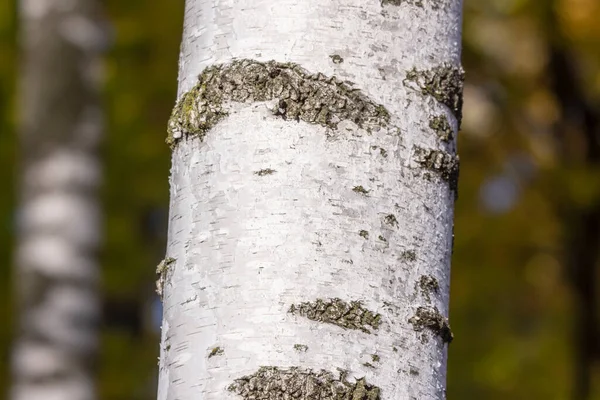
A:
[390,219]
[430,318]
[336,59]
[434,4]
[299,95]
[442,128]
[360,189]
[301,347]
[444,83]
[445,164]
[337,312]
[408,255]
[273,383]
[429,286]
[162,271]
[265,171]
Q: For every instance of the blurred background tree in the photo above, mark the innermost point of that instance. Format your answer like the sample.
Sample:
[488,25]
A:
[524,305]
[58,224]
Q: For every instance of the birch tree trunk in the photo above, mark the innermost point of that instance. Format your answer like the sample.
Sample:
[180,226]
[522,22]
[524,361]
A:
[59,219]
[313,182]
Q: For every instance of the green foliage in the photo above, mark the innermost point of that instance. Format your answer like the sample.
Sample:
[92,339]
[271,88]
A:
[512,306]
[140,93]
[7,163]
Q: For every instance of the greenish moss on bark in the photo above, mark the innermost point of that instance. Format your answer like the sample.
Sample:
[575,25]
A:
[273,383]
[444,83]
[337,312]
[215,351]
[445,164]
[298,94]
[364,234]
[430,318]
[442,127]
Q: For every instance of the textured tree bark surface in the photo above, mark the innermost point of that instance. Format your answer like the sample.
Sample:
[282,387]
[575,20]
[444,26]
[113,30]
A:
[56,272]
[312,191]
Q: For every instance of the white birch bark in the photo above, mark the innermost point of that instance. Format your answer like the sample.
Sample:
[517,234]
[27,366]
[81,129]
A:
[56,275]
[311,218]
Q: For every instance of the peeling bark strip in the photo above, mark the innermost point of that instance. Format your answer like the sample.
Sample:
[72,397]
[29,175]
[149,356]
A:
[430,318]
[300,95]
[338,312]
[272,383]
[444,83]
[441,162]
[442,127]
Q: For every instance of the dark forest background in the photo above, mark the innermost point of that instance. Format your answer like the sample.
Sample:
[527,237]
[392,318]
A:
[525,283]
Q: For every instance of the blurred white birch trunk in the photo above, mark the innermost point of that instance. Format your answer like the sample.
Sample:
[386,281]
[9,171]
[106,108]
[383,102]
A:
[56,275]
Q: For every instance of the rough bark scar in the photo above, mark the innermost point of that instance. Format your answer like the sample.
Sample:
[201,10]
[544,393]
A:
[429,286]
[430,318]
[435,4]
[442,128]
[337,312]
[444,83]
[161,271]
[272,383]
[298,94]
[445,164]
